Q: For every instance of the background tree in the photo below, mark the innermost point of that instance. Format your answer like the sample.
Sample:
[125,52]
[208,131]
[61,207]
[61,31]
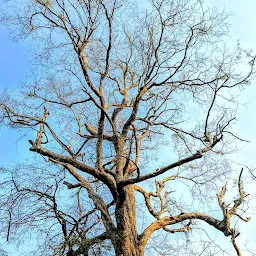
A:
[114,83]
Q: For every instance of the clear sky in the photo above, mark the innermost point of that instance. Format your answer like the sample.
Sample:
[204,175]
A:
[14,68]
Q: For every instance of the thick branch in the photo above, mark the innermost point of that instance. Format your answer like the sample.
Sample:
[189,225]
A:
[97,200]
[104,177]
[158,172]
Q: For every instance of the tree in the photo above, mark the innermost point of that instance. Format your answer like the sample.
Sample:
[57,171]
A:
[113,84]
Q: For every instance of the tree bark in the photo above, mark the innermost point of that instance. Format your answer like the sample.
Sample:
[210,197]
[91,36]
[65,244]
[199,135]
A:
[126,237]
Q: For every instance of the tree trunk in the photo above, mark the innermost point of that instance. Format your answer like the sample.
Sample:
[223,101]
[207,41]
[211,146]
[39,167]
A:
[126,239]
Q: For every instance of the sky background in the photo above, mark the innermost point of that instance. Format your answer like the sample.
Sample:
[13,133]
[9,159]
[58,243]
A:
[14,66]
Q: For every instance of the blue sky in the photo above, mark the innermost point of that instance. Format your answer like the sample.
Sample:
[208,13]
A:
[14,63]
[14,67]
[13,70]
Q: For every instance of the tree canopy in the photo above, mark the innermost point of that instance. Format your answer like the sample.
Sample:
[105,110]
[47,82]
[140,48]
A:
[129,111]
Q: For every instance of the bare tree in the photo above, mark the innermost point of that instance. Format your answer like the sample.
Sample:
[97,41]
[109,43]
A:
[114,83]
